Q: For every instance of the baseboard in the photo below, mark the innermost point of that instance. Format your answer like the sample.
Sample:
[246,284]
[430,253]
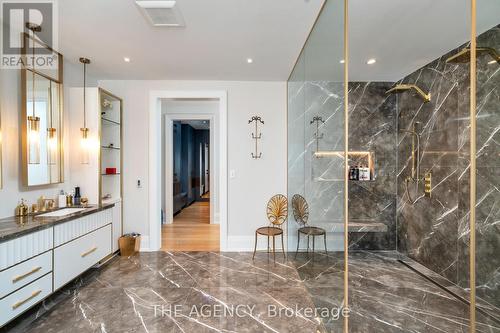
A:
[334,242]
[145,244]
[247,243]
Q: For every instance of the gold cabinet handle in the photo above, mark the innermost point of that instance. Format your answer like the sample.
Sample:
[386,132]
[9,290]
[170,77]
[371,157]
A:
[22,276]
[84,254]
[33,295]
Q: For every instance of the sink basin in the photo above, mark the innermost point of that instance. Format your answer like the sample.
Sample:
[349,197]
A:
[62,212]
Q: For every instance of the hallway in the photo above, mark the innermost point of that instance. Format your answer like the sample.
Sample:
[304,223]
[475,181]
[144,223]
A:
[191,230]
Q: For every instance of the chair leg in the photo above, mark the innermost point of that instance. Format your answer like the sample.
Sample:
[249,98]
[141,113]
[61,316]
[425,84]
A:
[268,244]
[298,242]
[255,247]
[283,246]
[308,242]
[314,241]
[274,250]
[326,251]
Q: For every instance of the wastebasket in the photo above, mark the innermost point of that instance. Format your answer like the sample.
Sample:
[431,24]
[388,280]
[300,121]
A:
[129,244]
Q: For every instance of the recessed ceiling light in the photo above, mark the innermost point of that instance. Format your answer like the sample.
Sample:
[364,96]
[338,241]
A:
[250,60]
[492,62]
[342,61]
[126,59]
[371,61]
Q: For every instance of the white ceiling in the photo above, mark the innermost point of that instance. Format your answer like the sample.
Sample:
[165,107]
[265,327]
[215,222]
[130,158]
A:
[402,35]
[198,124]
[218,38]
[220,35]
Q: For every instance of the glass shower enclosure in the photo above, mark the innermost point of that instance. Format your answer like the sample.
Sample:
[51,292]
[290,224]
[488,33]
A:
[411,216]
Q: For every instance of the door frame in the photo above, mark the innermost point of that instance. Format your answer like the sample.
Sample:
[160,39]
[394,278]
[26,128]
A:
[169,159]
[153,241]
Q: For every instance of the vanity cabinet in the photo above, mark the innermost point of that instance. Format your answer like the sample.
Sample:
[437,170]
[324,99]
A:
[16,303]
[34,265]
[25,272]
[75,257]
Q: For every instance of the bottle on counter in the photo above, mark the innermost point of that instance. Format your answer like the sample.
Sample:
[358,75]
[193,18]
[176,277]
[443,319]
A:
[77,198]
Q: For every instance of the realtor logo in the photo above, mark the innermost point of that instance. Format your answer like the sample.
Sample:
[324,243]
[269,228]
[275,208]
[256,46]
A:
[18,17]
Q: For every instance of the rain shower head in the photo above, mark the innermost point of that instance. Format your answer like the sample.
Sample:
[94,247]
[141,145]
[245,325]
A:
[463,56]
[399,88]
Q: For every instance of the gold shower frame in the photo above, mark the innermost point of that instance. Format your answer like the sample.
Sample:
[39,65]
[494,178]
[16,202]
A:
[472,170]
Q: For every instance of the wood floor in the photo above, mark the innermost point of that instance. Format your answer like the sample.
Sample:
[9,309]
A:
[191,230]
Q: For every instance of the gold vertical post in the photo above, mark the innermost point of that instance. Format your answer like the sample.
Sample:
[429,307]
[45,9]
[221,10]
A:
[472,222]
[346,164]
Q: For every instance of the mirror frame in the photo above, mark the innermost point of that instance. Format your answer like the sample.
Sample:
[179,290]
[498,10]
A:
[24,118]
[1,142]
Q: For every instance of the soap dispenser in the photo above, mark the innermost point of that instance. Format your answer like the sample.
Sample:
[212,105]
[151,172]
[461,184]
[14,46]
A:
[22,209]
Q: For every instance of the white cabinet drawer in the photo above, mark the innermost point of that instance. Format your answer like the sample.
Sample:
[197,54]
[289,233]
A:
[18,302]
[24,247]
[75,257]
[20,275]
[68,231]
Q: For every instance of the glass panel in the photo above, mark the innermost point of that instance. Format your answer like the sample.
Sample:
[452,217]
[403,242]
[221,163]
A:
[316,164]
[44,134]
[408,125]
[487,228]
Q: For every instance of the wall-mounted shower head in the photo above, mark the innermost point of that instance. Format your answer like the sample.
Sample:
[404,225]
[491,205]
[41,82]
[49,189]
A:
[399,88]
[463,56]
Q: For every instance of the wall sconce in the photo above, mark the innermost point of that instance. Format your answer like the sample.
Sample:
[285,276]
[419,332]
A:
[84,131]
[33,120]
[51,133]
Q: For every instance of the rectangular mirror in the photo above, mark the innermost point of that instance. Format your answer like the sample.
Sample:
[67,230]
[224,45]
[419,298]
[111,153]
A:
[42,124]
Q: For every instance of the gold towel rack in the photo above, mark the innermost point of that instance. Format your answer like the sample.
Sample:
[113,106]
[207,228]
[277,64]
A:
[399,88]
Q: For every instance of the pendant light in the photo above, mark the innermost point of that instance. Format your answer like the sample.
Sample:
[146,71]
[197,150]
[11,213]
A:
[33,120]
[84,143]
[51,132]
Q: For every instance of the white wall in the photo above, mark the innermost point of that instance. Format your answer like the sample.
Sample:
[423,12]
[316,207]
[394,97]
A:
[10,109]
[256,180]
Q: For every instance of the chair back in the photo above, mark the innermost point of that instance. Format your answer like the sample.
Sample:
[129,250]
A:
[277,209]
[300,209]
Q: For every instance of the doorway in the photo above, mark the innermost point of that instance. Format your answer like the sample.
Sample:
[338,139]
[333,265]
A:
[188,200]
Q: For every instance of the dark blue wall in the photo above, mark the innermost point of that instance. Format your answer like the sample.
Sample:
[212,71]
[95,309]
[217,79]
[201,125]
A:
[186,152]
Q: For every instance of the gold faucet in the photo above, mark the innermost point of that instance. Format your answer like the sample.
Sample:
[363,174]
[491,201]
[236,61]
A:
[48,204]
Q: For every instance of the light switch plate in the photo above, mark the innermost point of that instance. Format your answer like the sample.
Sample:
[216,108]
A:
[232,173]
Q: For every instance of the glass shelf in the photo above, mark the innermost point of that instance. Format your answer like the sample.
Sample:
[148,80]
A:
[110,121]
[110,174]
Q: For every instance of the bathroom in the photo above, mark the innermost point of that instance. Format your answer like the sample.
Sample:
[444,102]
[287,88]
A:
[374,122]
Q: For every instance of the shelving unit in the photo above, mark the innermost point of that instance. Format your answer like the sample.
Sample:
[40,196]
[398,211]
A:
[107,135]
[111,108]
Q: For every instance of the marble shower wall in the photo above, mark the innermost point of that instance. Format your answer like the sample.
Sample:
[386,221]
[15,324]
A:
[435,231]
[372,128]
[372,119]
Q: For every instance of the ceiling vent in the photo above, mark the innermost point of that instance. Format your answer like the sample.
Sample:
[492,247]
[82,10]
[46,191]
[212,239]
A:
[161,13]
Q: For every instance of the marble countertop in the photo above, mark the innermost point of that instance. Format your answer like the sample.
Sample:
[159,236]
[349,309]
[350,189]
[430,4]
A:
[13,227]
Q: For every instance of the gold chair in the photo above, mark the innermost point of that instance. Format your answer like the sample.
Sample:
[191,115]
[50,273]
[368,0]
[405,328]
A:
[301,215]
[277,212]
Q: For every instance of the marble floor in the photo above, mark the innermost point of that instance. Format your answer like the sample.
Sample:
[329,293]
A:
[228,292]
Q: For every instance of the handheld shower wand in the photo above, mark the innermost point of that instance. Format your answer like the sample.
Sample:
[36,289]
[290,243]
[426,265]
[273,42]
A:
[415,161]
